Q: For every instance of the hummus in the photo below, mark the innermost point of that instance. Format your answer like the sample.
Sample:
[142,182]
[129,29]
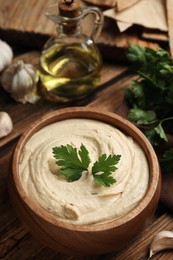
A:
[83,201]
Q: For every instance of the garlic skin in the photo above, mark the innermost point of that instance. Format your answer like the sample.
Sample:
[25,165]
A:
[161,241]
[6,55]
[6,124]
[20,80]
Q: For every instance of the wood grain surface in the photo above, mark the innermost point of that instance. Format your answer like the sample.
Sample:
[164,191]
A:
[15,241]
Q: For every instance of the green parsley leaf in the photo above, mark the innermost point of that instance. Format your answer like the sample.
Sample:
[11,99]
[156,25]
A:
[153,90]
[84,155]
[142,117]
[103,168]
[136,54]
[104,179]
[160,130]
[150,97]
[71,163]
[152,136]
[136,95]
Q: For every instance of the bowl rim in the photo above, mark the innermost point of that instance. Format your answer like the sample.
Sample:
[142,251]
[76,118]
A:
[98,115]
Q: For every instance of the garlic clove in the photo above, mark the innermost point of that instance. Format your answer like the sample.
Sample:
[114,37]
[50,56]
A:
[20,80]
[32,72]
[6,124]
[22,83]
[6,55]
[161,241]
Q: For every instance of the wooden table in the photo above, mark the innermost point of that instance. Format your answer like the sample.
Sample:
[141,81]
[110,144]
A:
[15,241]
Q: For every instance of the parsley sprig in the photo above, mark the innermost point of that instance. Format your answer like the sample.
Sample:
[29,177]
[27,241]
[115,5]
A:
[73,162]
[105,166]
[150,97]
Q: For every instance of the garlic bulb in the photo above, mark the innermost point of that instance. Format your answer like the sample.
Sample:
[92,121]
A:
[6,55]
[161,241]
[6,124]
[20,80]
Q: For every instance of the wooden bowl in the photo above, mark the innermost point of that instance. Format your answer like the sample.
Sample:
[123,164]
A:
[85,239]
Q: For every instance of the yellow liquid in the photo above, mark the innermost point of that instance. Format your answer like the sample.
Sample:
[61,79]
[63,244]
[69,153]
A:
[70,71]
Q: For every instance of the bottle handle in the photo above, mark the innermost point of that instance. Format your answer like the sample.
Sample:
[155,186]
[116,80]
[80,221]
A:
[98,23]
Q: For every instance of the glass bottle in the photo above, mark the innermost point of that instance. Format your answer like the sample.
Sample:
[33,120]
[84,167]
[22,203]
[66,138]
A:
[70,61]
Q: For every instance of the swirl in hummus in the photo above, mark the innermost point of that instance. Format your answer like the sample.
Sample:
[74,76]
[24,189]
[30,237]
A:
[83,201]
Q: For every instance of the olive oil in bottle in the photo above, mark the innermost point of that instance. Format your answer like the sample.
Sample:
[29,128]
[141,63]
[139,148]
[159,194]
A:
[71,71]
[71,62]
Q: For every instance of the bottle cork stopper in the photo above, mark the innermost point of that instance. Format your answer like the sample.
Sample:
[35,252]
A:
[69,8]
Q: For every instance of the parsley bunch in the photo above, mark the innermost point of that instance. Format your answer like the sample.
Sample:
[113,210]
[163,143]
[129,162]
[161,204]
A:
[73,162]
[150,97]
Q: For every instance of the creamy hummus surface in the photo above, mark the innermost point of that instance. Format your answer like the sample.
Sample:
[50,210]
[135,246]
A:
[83,201]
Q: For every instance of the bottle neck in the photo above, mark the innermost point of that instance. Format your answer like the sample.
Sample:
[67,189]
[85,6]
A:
[70,28]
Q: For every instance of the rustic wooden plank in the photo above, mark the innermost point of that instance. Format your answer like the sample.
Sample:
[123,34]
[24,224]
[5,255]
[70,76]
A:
[11,236]
[139,248]
[26,16]
[110,99]
[154,34]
